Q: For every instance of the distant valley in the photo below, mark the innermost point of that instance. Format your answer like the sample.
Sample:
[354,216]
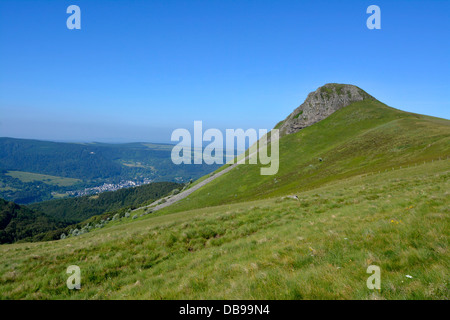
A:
[34,171]
[49,219]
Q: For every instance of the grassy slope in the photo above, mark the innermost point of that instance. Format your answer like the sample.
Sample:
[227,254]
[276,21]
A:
[318,247]
[20,223]
[364,137]
[48,179]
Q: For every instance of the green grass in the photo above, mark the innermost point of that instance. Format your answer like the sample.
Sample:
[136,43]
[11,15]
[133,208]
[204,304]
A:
[315,248]
[57,195]
[7,188]
[298,114]
[239,238]
[48,179]
[328,90]
[364,137]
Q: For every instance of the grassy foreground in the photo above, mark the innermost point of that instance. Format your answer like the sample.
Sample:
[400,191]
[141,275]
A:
[316,248]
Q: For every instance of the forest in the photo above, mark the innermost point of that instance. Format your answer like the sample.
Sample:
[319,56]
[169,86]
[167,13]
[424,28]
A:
[47,220]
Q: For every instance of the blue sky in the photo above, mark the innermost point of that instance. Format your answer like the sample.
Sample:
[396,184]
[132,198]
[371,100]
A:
[139,69]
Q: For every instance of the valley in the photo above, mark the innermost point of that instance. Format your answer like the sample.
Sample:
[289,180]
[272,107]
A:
[34,171]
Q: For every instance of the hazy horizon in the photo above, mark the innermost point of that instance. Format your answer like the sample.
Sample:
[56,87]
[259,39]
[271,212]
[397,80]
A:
[136,71]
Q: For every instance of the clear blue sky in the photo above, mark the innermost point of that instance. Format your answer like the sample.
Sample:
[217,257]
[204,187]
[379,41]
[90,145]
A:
[139,69]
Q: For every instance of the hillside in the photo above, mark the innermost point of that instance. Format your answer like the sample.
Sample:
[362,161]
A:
[320,104]
[316,248]
[372,185]
[21,223]
[364,137]
[48,220]
[81,208]
[33,171]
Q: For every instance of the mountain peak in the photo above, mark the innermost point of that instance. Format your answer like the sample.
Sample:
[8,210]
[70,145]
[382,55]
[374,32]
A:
[320,104]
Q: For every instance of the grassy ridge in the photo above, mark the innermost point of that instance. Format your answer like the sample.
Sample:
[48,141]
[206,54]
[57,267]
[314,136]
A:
[318,247]
[364,137]
[240,238]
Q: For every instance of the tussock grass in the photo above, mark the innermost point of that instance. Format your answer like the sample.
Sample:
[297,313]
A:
[239,237]
[316,248]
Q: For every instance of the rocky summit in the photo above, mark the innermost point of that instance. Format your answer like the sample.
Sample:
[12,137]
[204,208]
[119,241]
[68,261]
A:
[320,104]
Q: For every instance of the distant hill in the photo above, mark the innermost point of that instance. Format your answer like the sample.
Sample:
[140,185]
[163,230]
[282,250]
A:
[21,223]
[81,208]
[33,171]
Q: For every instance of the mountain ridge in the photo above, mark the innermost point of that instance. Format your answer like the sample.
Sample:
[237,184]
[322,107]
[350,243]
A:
[364,136]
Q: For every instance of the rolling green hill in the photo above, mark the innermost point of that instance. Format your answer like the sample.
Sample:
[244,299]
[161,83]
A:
[372,185]
[48,220]
[364,137]
[21,223]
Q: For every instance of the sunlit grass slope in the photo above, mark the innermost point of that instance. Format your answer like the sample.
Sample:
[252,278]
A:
[364,137]
[315,248]
[240,238]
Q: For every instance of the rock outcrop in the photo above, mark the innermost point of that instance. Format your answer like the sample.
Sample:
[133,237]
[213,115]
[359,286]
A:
[320,104]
